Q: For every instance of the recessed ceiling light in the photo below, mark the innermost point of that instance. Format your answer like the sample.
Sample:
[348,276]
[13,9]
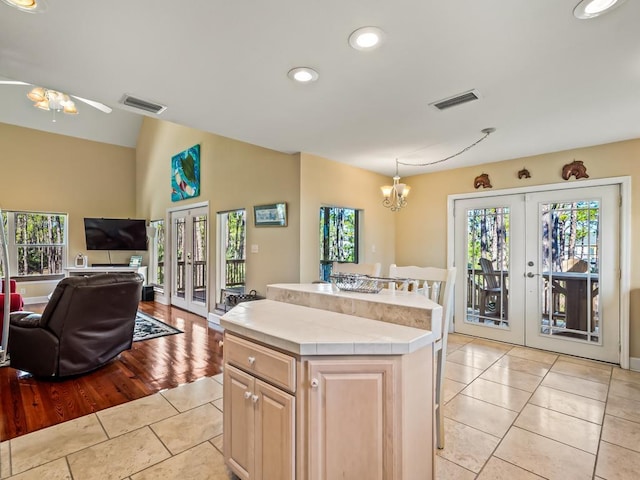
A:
[366,38]
[303,74]
[31,6]
[593,8]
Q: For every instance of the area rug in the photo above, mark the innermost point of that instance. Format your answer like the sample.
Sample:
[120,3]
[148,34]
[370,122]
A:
[148,327]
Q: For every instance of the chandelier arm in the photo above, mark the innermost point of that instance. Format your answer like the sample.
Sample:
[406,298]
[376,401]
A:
[486,131]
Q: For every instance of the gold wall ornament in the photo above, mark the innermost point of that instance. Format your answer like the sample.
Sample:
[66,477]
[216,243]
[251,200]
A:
[524,173]
[576,169]
[482,181]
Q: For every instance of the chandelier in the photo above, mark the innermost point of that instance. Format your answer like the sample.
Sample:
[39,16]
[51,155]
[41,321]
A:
[52,100]
[395,196]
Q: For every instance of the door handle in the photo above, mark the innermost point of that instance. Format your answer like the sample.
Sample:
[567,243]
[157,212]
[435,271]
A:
[531,274]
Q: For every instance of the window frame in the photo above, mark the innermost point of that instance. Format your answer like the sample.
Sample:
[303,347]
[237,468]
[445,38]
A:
[325,262]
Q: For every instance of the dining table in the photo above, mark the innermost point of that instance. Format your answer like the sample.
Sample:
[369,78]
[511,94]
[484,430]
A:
[579,290]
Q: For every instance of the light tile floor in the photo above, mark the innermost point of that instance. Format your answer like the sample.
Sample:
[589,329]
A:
[510,413]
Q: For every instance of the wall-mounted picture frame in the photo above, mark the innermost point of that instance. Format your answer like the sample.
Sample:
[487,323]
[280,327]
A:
[273,215]
[185,174]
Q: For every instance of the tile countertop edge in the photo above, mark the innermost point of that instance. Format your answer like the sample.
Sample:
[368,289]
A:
[243,320]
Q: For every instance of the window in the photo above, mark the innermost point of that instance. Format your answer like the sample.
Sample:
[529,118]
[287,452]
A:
[37,243]
[338,237]
[235,249]
[156,261]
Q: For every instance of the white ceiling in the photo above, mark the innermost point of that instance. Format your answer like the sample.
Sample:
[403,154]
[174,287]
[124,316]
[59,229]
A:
[548,81]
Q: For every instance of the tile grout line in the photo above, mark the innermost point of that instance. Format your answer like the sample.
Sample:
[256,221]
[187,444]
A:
[604,417]
[512,426]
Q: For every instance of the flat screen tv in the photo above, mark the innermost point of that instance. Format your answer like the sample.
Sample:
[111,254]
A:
[115,234]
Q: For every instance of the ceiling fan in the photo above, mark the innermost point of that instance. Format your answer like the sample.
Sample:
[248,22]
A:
[56,95]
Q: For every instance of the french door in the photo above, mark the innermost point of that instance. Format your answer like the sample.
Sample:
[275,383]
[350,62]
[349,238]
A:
[542,270]
[189,259]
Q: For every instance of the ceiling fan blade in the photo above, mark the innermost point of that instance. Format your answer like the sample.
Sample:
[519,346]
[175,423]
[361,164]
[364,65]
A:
[100,106]
[13,82]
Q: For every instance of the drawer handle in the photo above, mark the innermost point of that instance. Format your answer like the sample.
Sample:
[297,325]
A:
[247,395]
[252,360]
[254,398]
[314,383]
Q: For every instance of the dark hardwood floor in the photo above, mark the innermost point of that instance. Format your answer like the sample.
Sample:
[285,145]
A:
[28,404]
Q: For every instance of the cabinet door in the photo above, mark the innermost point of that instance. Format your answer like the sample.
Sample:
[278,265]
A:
[274,433]
[351,408]
[239,421]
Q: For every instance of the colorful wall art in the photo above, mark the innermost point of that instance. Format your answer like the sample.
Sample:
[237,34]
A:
[185,174]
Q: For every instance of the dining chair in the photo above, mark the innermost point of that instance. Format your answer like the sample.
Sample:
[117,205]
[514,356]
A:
[492,289]
[371,269]
[438,285]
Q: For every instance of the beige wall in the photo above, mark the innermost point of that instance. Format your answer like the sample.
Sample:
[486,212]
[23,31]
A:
[44,171]
[324,182]
[233,175]
[48,172]
[421,226]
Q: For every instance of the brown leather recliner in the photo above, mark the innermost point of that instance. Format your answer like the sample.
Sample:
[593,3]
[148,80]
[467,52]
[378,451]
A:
[87,322]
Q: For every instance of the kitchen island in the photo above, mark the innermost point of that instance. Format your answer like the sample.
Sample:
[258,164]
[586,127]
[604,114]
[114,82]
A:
[312,394]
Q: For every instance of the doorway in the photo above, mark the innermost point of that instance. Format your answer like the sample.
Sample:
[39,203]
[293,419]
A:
[189,259]
[542,269]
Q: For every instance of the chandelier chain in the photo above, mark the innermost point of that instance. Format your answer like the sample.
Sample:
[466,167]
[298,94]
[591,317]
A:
[486,131]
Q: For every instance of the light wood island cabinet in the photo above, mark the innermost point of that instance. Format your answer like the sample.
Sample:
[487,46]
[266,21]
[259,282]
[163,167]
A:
[259,418]
[317,395]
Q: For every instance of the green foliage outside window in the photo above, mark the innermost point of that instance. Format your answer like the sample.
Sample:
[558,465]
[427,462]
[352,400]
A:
[338,237]
[236,228]
[37,242]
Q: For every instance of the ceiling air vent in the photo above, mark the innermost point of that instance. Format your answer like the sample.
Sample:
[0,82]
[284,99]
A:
[465,97]
[140,104]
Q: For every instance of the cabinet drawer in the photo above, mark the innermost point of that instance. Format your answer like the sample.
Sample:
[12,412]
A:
[275,367]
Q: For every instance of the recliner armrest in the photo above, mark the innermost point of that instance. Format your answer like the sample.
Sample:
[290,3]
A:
[25,319]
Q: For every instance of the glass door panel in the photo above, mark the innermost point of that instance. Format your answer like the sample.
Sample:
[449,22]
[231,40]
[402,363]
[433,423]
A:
[491,294]
[488,266]
[199,249]
[179,224]
[570,239]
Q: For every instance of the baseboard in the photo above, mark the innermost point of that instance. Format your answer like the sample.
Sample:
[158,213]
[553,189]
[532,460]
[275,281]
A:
[32,300]
[634,364]
[161,299]
[214,320]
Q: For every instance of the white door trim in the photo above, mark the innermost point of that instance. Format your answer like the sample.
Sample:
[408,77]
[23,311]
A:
[625,238]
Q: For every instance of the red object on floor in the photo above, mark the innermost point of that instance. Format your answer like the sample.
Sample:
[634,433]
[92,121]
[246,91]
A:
[15,299]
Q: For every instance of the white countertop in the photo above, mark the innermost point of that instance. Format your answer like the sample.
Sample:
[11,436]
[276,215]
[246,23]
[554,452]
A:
[311,331]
